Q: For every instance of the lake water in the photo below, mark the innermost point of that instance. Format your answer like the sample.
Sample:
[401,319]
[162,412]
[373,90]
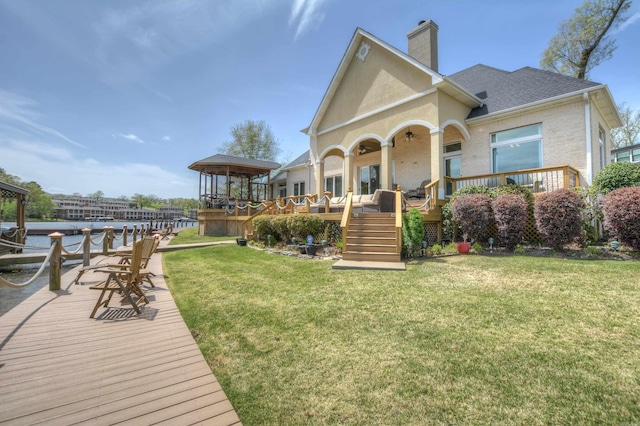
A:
[11,297]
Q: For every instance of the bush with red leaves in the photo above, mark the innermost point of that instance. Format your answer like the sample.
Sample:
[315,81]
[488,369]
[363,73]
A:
[558,217]
[510,213]
[473,213]
[621,210]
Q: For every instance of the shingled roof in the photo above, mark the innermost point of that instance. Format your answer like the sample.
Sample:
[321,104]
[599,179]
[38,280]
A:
[501,90]
[234,166]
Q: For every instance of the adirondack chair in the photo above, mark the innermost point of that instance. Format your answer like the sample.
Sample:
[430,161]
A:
[149,246]
[123,279]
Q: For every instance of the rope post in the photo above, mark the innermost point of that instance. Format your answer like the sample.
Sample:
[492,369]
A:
[124,235]
[86,246]
[111,236]
[135,232]
[56,261]
[105,240]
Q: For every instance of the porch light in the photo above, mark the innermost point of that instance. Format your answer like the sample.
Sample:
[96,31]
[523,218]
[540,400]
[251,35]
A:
[409,135]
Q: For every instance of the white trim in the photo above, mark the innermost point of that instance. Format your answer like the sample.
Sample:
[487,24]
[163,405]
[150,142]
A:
[410,123]
[377,111]
[587,125]
[458,125]
[331,148]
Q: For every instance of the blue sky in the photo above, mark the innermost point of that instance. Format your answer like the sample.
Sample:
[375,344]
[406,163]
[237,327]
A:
[122,96]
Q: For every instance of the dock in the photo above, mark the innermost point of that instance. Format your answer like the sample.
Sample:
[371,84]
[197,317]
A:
[59,367]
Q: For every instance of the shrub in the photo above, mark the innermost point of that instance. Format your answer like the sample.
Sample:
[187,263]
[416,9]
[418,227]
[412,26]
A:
[477,248]
[281,227]
[525,193]
[616,175]
[558,217]
[473,213]
[436,249]
[301,225]
[621,210]
[412,230]
[510,214]
[449,227]
[264,226]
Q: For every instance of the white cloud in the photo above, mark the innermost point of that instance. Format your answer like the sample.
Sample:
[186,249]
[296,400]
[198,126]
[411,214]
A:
[19,112]
[633,18]
[129,136]
[308,15]
[166,138]
[61,170]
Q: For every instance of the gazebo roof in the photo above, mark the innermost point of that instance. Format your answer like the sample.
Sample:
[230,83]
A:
[221,164]
[8,190]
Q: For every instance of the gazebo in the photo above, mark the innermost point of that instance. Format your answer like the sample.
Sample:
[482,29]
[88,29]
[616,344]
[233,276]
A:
[16,234]
[228,188]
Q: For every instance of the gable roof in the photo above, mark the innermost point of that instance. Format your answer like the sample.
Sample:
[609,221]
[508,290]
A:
[504,90]
[300,161]
[441,82]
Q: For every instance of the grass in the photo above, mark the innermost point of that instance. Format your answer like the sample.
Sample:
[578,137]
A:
[463,339]
[190,236]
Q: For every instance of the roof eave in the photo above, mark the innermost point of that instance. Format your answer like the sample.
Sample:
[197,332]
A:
[359,34]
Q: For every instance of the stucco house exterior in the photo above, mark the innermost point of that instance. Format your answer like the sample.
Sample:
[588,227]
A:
[389,119]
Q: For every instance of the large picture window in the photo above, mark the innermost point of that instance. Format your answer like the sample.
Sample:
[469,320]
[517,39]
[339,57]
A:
[334,184]
[517,149]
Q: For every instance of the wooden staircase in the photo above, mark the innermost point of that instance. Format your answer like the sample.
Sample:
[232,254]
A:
[371,237]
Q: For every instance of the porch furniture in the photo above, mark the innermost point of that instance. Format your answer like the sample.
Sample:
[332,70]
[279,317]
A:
[149,246]
[419,191]
[125,280]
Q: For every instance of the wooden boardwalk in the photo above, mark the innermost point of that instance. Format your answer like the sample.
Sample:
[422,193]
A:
[58,367]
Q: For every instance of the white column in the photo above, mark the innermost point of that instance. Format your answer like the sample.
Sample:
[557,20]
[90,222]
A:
[437,160]
[386,177]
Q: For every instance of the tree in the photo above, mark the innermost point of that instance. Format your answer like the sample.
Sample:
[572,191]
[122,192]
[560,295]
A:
[582,42]
[39,203]
[629,133]
[252,139]
[98,195]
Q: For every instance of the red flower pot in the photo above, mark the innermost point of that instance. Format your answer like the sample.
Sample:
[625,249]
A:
[463,247]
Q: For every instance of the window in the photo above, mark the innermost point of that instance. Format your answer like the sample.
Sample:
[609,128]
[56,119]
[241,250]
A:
[334,184]
[602,140]
[636,155]
[517,149]
[298,188]
[369,179]
[282,190]
[452,164]
[623,157]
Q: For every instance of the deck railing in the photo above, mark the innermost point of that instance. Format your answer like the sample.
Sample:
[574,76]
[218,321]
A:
[544,179]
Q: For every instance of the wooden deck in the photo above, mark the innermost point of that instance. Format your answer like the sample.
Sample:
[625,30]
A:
[58,367]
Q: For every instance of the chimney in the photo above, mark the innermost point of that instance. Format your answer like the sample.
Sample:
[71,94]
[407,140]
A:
[423,44]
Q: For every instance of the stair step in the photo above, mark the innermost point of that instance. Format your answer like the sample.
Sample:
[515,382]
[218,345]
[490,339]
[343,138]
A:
[371,248]
[373,257]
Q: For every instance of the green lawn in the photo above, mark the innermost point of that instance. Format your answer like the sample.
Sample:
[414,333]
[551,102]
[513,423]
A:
[463,339]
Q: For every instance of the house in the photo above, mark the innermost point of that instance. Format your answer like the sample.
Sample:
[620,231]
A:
[626,154]
[390,119]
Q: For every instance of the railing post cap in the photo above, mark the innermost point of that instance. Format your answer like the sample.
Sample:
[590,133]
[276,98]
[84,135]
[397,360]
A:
[86,229]
[56,235]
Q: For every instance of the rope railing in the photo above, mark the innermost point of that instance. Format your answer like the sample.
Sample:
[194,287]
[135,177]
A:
[99,242]
[37,274]
[77,250]
[20,246]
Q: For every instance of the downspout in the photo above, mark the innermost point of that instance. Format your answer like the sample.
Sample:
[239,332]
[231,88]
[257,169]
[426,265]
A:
[587,120]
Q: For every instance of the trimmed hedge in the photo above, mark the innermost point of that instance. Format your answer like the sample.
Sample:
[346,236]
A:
[510,213]
[621,210]
[558,217]
[616,175]
[474,215]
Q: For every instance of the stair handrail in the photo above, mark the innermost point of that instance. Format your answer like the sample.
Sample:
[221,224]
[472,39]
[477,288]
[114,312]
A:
[269,208]
[431,193]
[398,212]
[346,217]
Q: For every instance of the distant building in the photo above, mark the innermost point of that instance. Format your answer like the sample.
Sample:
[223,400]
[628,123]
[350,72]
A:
[626,154]
[76,207]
